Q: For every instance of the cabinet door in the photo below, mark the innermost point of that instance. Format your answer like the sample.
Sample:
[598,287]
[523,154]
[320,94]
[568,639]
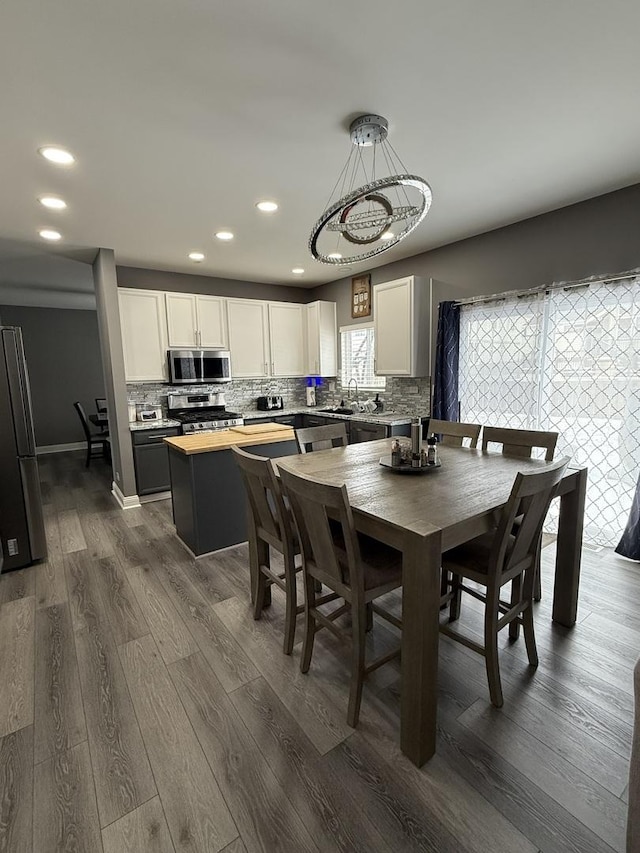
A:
[392,313]
[366,432]
[212,322]
[248,338]
[144,334]
[286,337]
[322,338]
[182,321]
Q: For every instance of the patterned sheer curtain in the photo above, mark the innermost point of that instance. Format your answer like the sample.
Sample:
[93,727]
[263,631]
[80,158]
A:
[566,360]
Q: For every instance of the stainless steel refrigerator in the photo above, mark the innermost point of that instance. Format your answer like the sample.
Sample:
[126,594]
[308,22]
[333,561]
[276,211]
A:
[21,519]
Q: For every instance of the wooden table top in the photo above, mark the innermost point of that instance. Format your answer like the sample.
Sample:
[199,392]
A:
[206,442]
[469,484]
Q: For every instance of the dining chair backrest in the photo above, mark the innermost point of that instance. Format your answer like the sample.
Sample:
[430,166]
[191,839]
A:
[101,405]
[321,437]
[453,432]
[515,547]
[520,442]
[313,503]
[83,420]
[270,516]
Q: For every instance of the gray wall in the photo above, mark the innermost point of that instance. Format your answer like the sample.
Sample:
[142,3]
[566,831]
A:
[63,357]
[159,280]
[594,237]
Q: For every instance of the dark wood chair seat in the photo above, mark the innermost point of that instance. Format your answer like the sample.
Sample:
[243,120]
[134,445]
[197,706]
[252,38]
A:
[380,563]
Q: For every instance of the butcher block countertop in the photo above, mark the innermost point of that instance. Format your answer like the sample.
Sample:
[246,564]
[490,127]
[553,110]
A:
[206,442]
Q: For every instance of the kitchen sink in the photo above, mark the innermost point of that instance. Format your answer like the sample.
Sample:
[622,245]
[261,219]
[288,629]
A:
[338,410]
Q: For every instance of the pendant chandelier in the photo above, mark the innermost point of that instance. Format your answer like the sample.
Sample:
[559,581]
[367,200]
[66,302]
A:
[367,215]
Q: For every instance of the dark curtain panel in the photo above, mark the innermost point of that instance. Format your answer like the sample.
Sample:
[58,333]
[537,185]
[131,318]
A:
[629,545]
[446,406]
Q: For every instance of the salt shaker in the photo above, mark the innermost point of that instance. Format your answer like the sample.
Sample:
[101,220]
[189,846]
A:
[396,453]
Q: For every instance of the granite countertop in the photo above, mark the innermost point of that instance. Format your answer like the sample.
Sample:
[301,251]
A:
[134,426]
[386,418]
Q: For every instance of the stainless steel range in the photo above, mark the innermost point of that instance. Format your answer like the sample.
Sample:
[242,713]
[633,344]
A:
[201,412]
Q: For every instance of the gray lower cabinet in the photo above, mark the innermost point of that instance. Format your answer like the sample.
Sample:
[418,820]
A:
[362,431]
[151,459]
[318,420]
[294,421]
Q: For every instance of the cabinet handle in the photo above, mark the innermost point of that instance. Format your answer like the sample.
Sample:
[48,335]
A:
[266,368]
[272,368]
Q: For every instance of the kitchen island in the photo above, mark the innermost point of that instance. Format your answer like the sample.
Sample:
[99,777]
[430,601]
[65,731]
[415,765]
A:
[209,500]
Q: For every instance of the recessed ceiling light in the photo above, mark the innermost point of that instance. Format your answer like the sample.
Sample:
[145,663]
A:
[49,234]
[267,206]
[297,271]
[388,235]
[196,257]
[52,202]
[57,155]
[224,235]
[336,256]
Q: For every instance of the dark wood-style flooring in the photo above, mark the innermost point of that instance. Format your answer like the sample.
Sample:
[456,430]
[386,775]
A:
[142,709]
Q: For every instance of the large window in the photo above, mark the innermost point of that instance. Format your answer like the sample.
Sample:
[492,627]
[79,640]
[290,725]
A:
[358,351]
[567,361]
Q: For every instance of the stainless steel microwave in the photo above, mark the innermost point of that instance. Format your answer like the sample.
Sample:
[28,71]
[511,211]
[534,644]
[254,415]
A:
[199,366]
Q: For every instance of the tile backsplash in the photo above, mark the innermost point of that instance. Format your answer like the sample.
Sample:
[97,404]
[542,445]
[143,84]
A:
[404,396]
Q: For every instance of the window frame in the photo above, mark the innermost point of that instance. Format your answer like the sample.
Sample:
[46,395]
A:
[358,327]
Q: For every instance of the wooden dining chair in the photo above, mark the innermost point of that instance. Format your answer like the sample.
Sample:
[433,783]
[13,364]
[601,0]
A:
[93,439]
[521,443]
[321,437]
[354,566]
[453,432]
[101,405]
[498,557]
[271,526]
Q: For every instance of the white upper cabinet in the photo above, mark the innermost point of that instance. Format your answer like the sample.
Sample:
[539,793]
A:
[182,321]
[144,334]
[321,339]
[248,338]
[287,339]
[194,320]
[402,323]
[211,312]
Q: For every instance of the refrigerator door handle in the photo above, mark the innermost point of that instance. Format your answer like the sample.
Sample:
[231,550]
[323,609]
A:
[19,390]
[33,507]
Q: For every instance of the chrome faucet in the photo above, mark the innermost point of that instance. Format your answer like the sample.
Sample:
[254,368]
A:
[349,391]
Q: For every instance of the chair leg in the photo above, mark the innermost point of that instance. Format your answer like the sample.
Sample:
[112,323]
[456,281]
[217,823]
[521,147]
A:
[309,622]
[358,623]
[491,648]
[262,589]
[454,606]
[537,580]
[444,585]
[516,595]
[291,605]
[530,636]
[369,611]
[88,462]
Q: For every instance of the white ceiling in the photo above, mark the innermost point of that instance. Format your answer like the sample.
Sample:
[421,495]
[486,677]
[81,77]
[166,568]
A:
[183,114]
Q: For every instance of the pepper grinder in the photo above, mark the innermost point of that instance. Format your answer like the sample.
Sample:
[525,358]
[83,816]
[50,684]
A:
[416,442]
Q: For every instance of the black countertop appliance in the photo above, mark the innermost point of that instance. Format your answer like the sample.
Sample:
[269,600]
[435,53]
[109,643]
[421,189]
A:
[268,404]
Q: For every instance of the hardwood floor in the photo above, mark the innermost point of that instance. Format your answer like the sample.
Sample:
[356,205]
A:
[143,710]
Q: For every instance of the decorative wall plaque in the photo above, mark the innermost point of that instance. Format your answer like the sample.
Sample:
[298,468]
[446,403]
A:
[361,296]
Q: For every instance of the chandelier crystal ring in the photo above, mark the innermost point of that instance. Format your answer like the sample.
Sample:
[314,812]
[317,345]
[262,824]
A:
[366,215]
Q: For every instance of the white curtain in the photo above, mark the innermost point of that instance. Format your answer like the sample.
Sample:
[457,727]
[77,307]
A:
[566,360]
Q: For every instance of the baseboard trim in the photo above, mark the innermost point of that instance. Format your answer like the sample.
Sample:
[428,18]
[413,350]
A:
[155,496]
[61,448]
[124,501]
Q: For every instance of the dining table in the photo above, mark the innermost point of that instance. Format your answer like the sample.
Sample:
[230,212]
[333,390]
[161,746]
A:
[424,514]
